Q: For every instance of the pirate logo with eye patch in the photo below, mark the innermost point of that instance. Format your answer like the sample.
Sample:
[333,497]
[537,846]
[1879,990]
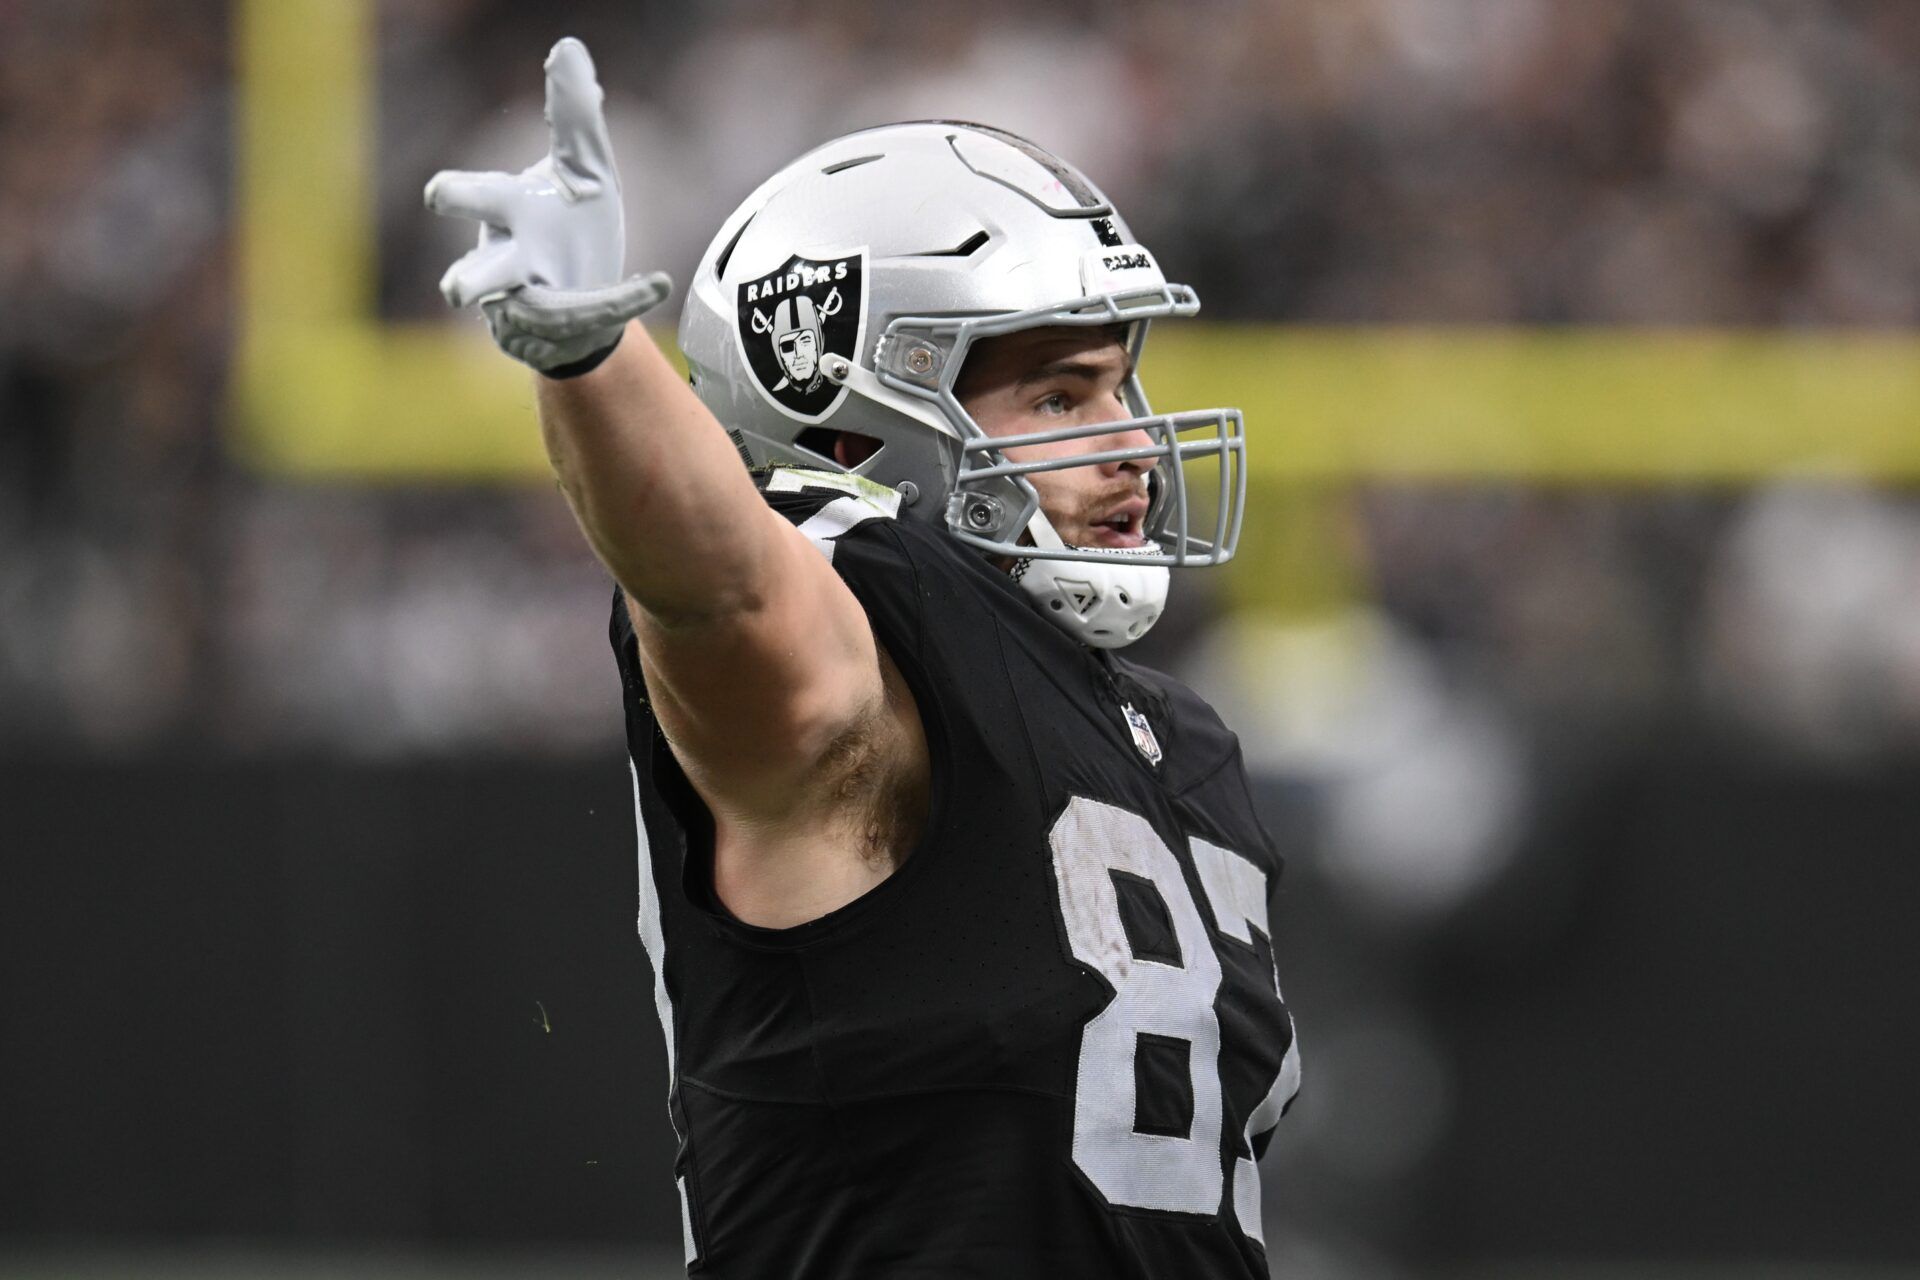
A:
[792,319]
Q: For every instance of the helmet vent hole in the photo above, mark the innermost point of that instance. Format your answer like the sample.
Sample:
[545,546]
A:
[726,254]
[1125,598]
[844,165]
[1057,606]
[962,250]
[819,440]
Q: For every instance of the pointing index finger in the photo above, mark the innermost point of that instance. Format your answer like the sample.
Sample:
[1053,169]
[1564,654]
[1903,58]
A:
[575,121]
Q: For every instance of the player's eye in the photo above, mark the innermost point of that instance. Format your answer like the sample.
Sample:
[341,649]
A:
[1054,405]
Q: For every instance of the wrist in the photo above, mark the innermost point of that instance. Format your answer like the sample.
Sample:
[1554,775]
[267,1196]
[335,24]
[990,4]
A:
[584,365]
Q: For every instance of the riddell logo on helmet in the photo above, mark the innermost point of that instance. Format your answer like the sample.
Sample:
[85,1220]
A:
[792,319]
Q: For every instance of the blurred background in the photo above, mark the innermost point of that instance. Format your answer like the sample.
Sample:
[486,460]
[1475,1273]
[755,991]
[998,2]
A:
[1575,640]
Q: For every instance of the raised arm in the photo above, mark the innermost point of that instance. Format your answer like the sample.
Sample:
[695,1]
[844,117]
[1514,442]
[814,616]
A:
[759,659]
[760,662]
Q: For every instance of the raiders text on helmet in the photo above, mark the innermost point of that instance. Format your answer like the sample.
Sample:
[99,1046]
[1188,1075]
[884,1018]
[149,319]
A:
[844,295]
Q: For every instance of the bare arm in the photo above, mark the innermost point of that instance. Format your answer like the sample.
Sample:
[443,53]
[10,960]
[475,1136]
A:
[759,659]
[760,663]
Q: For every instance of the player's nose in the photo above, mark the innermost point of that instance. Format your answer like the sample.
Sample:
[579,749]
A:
[1127,434]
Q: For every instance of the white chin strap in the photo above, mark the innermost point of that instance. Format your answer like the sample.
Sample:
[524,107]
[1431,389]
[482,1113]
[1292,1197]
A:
[1105,605]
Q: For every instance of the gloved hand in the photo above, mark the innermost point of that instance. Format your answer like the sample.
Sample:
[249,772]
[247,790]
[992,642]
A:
[552,238]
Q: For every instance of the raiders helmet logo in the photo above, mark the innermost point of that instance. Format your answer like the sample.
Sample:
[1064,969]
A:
[792,319]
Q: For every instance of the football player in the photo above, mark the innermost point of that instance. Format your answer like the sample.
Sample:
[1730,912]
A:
[958,920]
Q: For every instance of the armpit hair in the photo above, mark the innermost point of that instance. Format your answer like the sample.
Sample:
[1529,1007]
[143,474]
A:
[863,782]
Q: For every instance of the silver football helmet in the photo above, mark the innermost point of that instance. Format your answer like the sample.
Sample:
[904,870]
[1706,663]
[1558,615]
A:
[844,295]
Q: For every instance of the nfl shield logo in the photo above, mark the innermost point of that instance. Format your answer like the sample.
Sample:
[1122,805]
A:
[1142,734]
[791,319]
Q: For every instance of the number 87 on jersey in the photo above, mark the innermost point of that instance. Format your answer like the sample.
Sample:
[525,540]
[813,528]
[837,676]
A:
[1141,1138]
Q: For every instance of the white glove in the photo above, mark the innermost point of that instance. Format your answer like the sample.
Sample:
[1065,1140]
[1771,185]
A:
[552,238]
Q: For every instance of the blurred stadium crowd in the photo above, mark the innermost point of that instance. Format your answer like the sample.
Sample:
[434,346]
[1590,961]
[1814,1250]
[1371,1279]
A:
[1646,162]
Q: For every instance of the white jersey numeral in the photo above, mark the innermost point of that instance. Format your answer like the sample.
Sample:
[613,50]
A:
[1237,891]
[1142,1170]
[1156,997]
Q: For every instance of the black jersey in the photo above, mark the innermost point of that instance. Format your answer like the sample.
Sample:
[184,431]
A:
[1052,1043]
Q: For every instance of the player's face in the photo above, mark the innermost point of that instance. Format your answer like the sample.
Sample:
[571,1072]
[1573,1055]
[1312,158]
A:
[1065,376]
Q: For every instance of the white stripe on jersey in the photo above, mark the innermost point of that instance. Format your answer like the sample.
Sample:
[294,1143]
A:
[834,519]
[654,938]
[865,501]
[795,479]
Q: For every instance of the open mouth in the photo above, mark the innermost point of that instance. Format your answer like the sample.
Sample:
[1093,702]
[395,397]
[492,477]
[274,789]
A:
[1123,528]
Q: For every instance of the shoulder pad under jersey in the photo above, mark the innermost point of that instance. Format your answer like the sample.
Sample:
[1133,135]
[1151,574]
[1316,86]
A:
[884,501]
[839,502]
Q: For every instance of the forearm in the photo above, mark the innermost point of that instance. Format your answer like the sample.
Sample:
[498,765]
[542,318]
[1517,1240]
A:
[657,486]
